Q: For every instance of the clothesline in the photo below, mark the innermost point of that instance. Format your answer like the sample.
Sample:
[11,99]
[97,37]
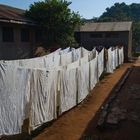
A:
[35,88]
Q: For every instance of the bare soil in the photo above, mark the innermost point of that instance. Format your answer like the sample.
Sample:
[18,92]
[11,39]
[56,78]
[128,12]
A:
[122,121]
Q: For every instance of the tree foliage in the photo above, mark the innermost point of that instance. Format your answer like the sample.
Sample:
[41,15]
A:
[57,20]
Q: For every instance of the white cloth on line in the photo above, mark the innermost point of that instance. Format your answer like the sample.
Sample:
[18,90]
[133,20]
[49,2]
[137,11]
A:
[109,63]
[83,81]
[100,63]
[32,63]
[43,97]
[92,54]
[116,57]
[113,58]
[66,59]
[121,55]
[93,70]
[14,98]
[66,50]
[77,53]
[84,59]
[84,52]
[68,90]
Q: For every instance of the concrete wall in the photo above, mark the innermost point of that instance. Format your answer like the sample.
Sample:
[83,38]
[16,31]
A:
[17,49]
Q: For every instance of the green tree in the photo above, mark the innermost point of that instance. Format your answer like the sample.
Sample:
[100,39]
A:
[57,20]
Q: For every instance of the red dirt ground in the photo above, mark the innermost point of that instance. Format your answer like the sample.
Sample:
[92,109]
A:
[128,100]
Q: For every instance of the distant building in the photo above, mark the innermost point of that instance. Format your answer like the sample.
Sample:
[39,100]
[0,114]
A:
[18,34]
[106,34]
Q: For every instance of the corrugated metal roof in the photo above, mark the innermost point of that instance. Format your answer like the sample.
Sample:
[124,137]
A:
[106,26]
[9,14]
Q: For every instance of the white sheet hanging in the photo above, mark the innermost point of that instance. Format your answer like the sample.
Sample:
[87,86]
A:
[113,57]
[66,50]
[93,68]
[109,66]
[43,97]
[68,90]
[92,54]
[100,63]
[84,52]
[66,59]
[121,55]
[84,59]
[32,63]
[77,54]
[83,81]
[116,57]
[14,98]
[12,62]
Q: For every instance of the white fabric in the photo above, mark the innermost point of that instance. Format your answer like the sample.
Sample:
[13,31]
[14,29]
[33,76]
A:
[116,57]
[12,62]
[77,54]
[52,61]
[113,58]
[93,67]
[92,54]
[32,63]
[84,59]
[66,59]
[14,95]
[57,51]
[43,97]
[48,61]
[84,52]
[83,81]
[121,55]
[68,92]
[36,93]
[100,63]
[109,63]
[68,49]
[56,60]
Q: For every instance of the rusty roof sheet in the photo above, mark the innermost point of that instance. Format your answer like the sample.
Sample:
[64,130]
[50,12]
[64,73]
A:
[106,26]
[8,13]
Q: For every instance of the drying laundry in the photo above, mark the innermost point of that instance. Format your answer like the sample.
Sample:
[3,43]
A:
[43,97]
[83,81]
[14,98]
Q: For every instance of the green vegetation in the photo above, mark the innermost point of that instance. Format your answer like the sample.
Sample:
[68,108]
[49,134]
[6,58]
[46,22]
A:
[57,20]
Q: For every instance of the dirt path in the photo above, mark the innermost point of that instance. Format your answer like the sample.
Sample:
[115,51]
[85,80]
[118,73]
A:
[122,121]
[72,124]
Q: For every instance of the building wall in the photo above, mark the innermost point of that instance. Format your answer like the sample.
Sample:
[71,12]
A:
[106,39]
[16,49]
[130,44]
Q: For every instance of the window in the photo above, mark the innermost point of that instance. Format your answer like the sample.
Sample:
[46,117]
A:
[7,34]
[96,35]
[25,37]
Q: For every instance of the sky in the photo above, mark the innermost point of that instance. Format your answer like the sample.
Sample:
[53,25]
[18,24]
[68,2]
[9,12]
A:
[86,8]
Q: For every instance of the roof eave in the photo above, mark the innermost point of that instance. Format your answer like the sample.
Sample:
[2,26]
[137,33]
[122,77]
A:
[18,22]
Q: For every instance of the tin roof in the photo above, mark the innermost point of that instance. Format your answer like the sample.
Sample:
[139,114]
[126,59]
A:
[13,15]
[106,26]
